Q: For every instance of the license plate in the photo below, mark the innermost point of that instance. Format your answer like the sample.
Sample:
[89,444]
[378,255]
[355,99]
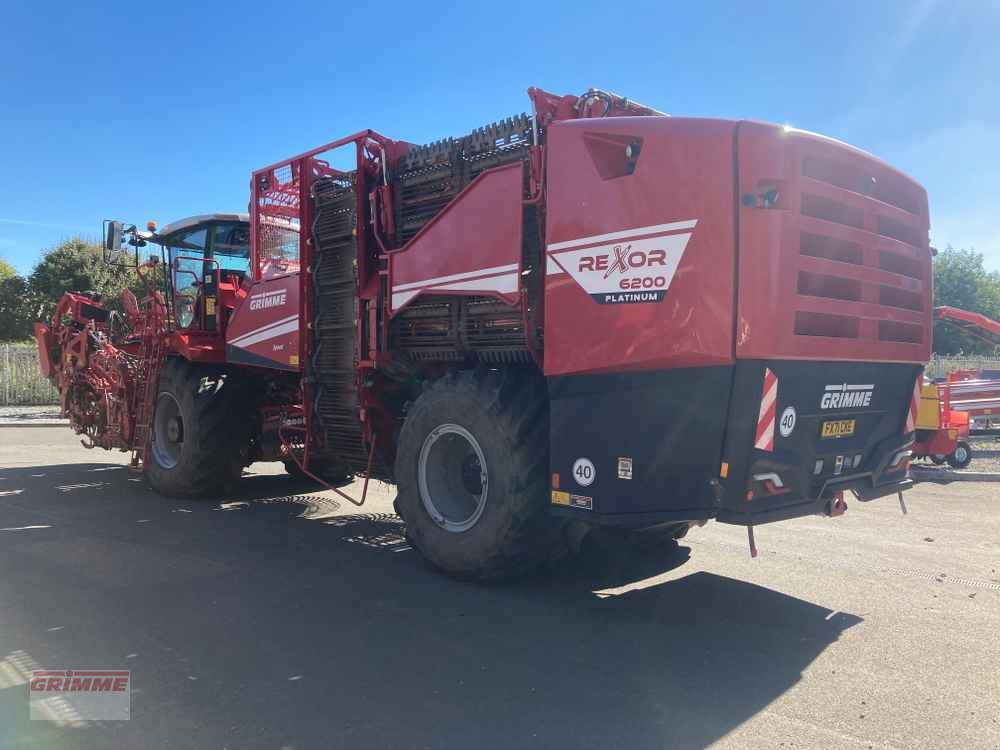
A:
[837,428]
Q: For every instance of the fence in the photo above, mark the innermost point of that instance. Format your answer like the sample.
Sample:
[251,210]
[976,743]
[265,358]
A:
[938,367]
[21,383]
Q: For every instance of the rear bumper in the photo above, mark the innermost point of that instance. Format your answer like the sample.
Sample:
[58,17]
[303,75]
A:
[862,486]
[797,471]
[636,450]
[864,495]
[878,478]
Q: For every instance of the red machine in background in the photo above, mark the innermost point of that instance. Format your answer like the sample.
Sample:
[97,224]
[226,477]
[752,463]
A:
[591,315]
[973,392]
[942,432]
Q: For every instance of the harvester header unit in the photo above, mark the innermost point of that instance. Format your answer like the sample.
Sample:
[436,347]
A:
[590,315]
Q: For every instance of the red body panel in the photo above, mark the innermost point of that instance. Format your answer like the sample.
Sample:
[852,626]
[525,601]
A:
[264,328]
[675,210]
[473,247]
[196,347]
[838,265]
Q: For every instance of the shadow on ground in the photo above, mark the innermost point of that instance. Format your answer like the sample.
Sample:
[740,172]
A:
[270,619]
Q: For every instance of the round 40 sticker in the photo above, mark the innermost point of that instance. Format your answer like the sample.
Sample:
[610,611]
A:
[584,472]
[787,422]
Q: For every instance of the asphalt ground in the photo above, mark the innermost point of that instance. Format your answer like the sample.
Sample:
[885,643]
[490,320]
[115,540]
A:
[282,617]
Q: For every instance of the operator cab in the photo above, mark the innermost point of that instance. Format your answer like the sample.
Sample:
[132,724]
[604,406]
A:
[195,248]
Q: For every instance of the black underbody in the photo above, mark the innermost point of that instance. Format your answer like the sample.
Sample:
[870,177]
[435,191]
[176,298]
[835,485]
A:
[678,445]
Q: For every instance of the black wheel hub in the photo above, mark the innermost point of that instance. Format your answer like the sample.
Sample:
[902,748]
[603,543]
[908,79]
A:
[175,430]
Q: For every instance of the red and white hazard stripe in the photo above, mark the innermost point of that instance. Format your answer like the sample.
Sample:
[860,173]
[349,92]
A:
[768,407]
[911,415]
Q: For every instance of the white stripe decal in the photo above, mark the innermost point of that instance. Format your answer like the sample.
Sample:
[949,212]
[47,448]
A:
[845,387]
[270,333]
[453,277]
[769,398]
[263,328]
[623,234]
[766,440]
[505,283]
[401,298]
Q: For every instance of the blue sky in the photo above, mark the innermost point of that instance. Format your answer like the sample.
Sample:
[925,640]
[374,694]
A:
[161,110]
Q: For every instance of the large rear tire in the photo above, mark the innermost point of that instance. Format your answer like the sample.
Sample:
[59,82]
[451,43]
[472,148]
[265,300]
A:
[472,473]
[200,432]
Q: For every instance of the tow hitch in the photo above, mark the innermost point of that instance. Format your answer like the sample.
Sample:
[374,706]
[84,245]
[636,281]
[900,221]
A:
[837,506]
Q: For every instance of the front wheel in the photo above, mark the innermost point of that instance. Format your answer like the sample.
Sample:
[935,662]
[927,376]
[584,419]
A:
[472,472]
[961,457]
[200,431]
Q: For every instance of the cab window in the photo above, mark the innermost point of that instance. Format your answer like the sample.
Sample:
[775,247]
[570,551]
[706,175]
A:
[187,253]
[231,246]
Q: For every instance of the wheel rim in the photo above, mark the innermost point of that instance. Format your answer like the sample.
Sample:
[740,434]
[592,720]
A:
[961,454]
[168,431]
[453,478]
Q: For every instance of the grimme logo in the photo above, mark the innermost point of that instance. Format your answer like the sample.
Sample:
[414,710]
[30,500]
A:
[78,695]
[68,681]
[264,300]
[844,396]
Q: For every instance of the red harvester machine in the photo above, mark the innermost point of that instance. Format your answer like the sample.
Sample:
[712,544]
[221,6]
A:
[591,315]
[942,432]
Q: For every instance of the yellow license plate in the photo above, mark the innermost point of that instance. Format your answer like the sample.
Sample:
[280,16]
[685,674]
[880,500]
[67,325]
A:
[837,428]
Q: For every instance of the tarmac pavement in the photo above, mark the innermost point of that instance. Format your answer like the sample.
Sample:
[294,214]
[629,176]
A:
[282,617]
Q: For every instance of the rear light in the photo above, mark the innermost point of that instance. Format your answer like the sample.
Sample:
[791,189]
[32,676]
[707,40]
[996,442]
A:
[771,483]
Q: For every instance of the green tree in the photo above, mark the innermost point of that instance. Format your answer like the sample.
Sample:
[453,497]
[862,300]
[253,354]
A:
[6,270]
[961,280]
[17,309]
[75,266]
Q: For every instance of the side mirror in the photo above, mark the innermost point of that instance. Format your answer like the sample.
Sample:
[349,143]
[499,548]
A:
[116,250]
